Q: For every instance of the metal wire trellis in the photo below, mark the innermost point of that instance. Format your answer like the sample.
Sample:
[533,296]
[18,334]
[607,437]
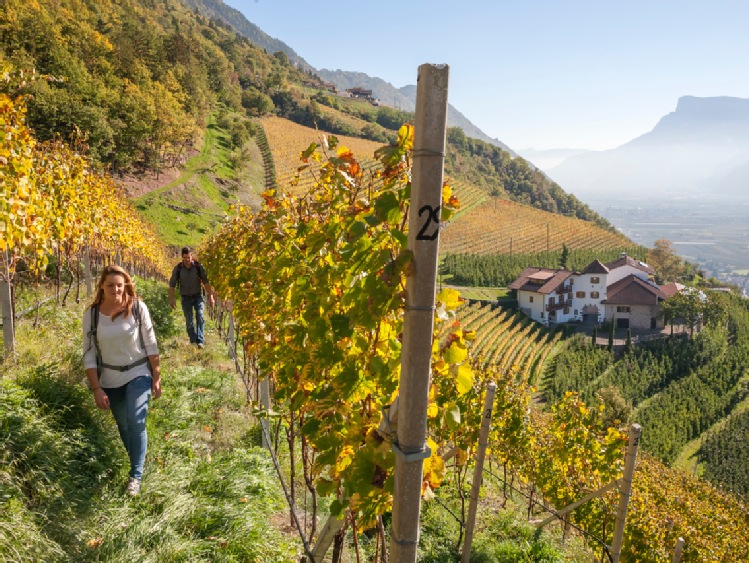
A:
[231,342]
[587,534]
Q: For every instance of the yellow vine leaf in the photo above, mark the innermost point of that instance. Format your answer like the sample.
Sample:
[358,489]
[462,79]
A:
[463,379]
[406,136]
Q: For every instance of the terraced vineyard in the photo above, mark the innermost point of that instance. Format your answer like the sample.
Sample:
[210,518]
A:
[483,225]
[507,339]
[498,225]
[288,139]
[469,195]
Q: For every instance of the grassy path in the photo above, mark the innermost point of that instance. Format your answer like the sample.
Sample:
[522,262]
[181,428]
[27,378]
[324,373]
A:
[187,209]
[210,492]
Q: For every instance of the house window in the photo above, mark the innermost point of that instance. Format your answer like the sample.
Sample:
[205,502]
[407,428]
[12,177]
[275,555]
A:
[566,310]
[595,280]
[594,295]
[551,300]
[531,299]
[569,296]
[622,309]
[572,281]
[576,313]
[580,294]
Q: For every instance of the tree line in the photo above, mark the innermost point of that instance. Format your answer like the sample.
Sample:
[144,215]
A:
[497,270]
[135,80]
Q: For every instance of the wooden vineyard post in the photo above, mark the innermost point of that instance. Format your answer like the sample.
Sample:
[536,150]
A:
[478,470]
[326,537]
[678,550]
[87,272]
[6,303]
[626,488]
[265,401]
[230,336]
[423,239]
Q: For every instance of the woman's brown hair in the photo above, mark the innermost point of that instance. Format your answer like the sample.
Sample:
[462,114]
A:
[129,295]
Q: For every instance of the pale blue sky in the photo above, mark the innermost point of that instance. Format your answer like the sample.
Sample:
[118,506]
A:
[543,74]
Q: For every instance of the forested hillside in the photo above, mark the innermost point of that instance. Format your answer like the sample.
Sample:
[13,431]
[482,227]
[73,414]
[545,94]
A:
[137,81]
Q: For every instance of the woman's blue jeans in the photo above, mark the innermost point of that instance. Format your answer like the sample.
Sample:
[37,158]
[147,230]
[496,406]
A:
[194,330]
[129,406]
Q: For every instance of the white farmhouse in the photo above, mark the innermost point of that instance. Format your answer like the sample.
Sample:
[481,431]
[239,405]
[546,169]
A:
[619,291]
[545,295]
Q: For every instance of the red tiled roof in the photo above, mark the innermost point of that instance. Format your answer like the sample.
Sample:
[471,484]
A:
[629,261]
[671,289]
[633,291]
[595,267]
[555,279]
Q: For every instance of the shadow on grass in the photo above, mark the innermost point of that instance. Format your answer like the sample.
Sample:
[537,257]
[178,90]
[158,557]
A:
[58,452]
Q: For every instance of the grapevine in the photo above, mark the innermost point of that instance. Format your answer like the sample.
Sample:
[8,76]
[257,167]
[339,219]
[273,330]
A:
[317,288]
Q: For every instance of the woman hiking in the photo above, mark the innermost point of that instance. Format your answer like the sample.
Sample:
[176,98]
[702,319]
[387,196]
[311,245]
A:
[121,358]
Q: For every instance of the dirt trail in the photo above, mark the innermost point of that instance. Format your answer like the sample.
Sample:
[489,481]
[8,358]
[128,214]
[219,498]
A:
[136,186]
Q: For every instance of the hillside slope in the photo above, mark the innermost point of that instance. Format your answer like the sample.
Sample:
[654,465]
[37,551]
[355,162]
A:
[148,110]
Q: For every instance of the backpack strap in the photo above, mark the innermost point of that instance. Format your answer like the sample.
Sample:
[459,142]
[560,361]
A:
[92,337]
[139,322]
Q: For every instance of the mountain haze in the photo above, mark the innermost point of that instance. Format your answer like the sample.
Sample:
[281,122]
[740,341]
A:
[702,148]
[549,158]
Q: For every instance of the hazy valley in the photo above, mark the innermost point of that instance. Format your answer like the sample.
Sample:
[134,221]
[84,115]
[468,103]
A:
[710,230]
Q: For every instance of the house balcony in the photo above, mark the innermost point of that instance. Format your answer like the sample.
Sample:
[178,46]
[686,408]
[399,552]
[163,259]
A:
[559,306]
[562,289]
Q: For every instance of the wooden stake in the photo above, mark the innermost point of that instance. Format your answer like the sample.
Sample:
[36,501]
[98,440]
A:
[478,470]
[626,488]
[265,401]
[677,551]
[325,539]
[87,272]
[416,355]
[6,303]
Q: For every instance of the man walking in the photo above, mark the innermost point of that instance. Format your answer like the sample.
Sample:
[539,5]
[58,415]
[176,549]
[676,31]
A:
[189,275]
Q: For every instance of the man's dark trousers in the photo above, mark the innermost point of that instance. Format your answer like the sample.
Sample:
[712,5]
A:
[194,329]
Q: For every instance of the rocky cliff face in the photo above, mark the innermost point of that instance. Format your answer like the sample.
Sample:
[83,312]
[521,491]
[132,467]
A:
[701,147]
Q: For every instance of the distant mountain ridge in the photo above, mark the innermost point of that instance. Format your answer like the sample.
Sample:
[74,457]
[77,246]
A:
[400,98]
[700,148]
[404,98]
[218,10]
[548,158]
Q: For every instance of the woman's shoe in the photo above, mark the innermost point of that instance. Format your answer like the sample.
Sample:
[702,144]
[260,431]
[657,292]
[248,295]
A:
[132,487]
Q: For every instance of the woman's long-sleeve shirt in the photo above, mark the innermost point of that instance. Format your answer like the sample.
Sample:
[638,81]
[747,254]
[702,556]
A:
[120,345]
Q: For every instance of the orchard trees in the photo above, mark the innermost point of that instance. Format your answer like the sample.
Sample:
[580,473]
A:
[668,266]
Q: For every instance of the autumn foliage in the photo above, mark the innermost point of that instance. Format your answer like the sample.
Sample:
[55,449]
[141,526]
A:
[54,203]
